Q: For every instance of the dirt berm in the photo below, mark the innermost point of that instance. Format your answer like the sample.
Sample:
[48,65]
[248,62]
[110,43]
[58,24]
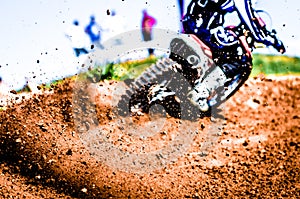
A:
[255,154]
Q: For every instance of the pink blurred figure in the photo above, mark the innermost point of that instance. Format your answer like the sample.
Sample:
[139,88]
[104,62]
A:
[147,24]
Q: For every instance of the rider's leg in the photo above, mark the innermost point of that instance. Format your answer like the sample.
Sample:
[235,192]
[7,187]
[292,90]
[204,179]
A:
[189,52]
[231,59]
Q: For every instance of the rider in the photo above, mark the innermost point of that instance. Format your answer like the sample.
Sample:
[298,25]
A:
[205,19]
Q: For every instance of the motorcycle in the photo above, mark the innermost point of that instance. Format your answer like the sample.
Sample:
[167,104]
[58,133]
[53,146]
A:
[164,83]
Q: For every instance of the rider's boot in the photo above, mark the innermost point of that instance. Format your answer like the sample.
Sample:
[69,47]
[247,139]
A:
[198,96]
[213,82]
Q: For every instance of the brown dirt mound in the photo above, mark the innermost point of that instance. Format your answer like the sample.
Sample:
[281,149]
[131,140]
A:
[256,153]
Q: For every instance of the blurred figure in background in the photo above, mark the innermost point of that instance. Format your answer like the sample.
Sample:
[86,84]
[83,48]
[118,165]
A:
[147,24]
[78,38]
[94,32]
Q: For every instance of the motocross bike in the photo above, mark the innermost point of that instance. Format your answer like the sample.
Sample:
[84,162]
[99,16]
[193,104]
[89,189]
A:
[162,82]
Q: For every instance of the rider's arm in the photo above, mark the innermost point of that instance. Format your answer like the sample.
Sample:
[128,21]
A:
[257,26]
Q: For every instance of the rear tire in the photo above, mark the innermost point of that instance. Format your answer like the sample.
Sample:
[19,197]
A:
[137,96]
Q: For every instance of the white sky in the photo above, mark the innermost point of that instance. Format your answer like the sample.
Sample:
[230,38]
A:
[34,30]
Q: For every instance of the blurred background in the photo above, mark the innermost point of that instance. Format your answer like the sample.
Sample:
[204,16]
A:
[33,38]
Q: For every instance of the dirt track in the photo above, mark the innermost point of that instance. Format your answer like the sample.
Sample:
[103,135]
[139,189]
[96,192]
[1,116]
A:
[256,153]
